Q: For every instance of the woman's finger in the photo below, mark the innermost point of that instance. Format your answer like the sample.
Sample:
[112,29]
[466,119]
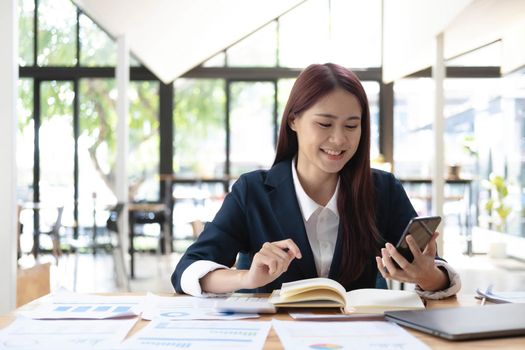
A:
[274,249]
[397,257]
[431,247]
[412,245]
[289,246]
[381,267]
[268,261]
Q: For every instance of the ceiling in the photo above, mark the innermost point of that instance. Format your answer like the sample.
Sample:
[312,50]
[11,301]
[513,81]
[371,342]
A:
[170,37]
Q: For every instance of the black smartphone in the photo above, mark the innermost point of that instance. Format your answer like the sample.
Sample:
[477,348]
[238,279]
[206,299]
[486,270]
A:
[421,229]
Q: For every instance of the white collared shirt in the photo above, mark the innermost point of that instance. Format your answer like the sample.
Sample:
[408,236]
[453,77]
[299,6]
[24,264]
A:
[321,224]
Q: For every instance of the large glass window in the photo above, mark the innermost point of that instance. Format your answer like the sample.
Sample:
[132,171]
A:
[486,130]
[200,133]
[25,141]
[251,126]
[56,33]
[57,154]
[413,115]
[97,48]
[372,92]
[143,156]
[96,148]
[26,37]
[483,128]
[284,86]
[257,50]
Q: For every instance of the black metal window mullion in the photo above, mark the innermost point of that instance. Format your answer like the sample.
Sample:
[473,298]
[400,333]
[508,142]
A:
[275,113]
[36,164]
[228,136]
[166,138]
[76,135]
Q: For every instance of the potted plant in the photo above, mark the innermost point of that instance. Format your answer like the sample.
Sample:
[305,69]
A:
[497,210]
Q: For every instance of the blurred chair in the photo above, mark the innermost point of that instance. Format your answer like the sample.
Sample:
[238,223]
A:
[197,227]
[19,230]
[54,235]
[381,282]
[150,213]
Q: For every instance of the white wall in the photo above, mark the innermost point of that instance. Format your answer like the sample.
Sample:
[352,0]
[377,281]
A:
[8,95]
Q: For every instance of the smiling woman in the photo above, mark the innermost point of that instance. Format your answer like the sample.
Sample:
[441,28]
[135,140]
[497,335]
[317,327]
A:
[319,211]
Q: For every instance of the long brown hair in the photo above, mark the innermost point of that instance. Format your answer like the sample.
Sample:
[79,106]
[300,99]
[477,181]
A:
[355,201]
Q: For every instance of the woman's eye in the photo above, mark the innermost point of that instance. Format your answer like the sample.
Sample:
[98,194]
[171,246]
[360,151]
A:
[351,126]
[323,125]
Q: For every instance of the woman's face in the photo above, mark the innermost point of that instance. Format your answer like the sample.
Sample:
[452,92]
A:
[328,134]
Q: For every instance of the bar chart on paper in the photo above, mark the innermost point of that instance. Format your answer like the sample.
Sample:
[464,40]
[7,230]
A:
[85,307]
[162,334]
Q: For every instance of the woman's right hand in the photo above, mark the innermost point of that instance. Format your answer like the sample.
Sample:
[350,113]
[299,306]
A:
[270,262]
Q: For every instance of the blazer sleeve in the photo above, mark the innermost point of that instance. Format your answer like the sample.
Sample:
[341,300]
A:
[394,207]
[222,238]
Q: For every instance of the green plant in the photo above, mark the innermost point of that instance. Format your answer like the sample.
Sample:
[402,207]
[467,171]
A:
[495,205]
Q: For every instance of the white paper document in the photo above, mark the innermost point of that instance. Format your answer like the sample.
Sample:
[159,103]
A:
[345,335]
[164,334]
[501,297]
[28,334]
[67,305]
[186,308]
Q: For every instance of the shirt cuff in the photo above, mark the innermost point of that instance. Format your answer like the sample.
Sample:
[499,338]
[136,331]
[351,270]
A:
[190,279]
[453,288]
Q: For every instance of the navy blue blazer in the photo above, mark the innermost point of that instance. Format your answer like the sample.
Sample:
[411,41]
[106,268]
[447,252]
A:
[263,207]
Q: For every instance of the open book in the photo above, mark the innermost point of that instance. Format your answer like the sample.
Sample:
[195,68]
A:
[325,292]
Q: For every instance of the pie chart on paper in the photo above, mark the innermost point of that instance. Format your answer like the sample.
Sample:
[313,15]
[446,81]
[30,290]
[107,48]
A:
[325,346]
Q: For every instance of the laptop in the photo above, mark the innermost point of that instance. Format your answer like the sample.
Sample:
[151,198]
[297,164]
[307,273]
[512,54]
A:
[463,323]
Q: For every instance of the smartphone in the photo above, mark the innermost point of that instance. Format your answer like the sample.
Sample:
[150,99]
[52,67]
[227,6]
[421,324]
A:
[421,229]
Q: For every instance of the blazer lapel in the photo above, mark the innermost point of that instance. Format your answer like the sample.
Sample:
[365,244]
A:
[286,209]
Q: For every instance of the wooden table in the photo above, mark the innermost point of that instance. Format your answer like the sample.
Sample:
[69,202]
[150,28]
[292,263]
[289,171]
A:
[272,342]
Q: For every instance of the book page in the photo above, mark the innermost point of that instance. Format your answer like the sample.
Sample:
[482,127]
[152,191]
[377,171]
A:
[373,300]
[316,295]
[276,299]
[292,288]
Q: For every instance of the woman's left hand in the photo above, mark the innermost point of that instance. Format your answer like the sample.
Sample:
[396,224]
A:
[422,271]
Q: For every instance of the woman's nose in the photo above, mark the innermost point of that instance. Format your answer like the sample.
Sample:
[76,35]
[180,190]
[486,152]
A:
[338,136]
